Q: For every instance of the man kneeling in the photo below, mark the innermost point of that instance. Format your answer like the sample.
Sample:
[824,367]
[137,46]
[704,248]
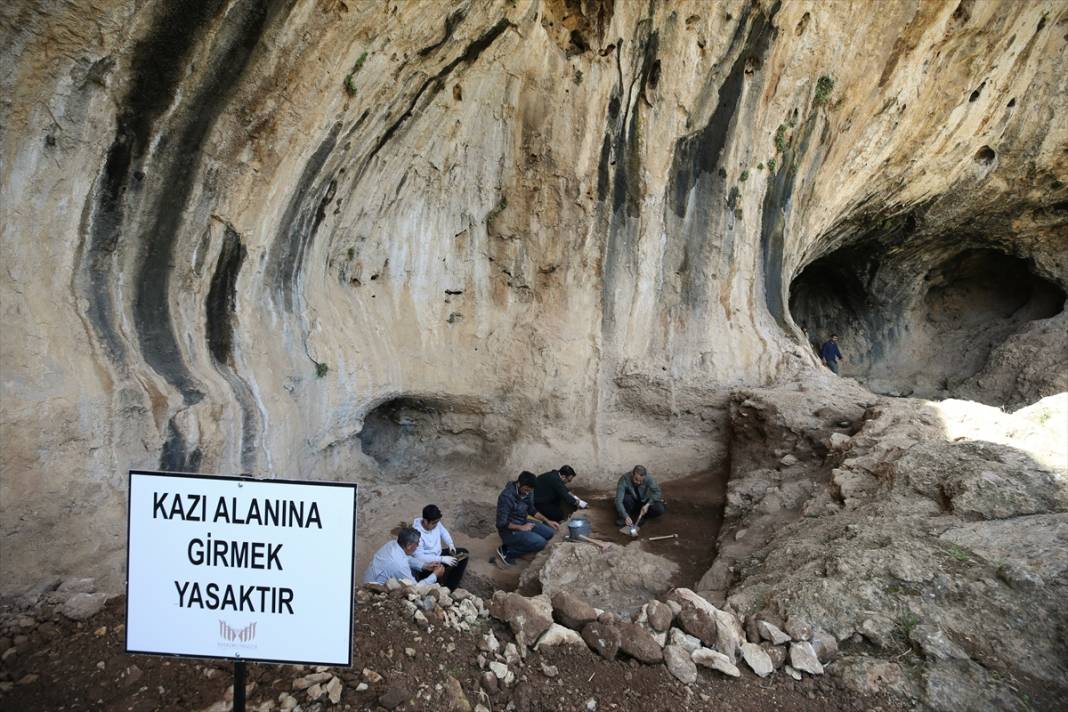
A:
[391,561]
[637,494]
[518,535]
[436,547]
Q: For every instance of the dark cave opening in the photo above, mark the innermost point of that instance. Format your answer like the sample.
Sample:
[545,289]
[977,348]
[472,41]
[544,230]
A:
[411,436]
[917,321]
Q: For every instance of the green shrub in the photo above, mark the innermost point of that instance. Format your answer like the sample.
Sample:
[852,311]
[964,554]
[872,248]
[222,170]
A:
[824,86]
[321,369]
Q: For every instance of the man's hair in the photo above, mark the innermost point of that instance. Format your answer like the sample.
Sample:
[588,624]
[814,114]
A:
[407,537]
[431,513]
[640,470]
[567,471]
[527,479]
[834,336]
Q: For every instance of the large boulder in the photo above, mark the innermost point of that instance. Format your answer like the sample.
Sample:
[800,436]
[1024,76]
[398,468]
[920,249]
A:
[678,662]
[757,660]
[715,660]
[558,635]
[572,611]
[698,623]
[638,643]
[81,606]
[659,615]
[619,580]
[527,619]
[603,639]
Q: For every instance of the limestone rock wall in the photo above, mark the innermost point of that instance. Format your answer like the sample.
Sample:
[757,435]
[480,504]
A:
[233,229]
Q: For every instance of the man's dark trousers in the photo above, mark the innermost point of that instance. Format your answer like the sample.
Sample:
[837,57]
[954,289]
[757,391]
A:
[633,505]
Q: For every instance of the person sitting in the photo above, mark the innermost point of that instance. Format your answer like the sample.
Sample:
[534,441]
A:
[637,494]
[391,561]
[551,494]
[518,535]
[436,547]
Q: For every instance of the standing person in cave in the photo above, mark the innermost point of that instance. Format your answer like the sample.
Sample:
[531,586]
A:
[515,509]
[829,353]
[637,496]
[436,547]
[551,494]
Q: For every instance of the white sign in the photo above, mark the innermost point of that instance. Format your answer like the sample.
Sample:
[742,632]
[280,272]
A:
[232,567]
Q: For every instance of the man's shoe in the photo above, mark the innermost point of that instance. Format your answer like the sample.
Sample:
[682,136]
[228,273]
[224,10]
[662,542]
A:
[502,559]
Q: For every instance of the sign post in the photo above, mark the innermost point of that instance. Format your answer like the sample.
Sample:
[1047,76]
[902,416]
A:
[240,569]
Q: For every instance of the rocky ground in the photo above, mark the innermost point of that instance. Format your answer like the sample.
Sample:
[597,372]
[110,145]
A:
[931,535]
[400,663]
[873,552]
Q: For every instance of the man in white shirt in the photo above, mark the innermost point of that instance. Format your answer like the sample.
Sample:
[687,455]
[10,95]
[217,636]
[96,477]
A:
[391,561]
[436,548]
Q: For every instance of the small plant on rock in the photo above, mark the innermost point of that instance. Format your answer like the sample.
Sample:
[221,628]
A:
[771,165]
[350,83]
[959,553]
[824,86]
[780,138]
[744,176]
[321,369]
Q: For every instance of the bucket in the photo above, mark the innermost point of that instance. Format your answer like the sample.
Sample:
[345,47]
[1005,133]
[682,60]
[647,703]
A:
[577,527]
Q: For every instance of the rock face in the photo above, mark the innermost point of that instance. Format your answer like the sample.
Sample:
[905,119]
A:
[941,527]
[562,223]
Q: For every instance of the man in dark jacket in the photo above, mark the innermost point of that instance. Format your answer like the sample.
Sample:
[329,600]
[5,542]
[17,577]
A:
[830,354]
[636,494]
[515,506]
[551,494]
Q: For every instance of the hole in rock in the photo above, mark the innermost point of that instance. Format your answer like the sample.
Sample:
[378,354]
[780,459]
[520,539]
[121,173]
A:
[413,436]
[921,319]
[985,156]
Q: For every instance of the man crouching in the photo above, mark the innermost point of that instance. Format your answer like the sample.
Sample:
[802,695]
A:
[515,506]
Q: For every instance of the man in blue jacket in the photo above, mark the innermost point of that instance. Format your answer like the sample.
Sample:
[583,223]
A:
[830,354]
[515,508]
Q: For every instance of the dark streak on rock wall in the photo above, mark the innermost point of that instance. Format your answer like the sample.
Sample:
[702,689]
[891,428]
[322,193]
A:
[177,163]
[175,455]
[299,222]
[777,202]
[159,62]
[698,180]
[619,173]
[436,82]
[219,327]
[219,309]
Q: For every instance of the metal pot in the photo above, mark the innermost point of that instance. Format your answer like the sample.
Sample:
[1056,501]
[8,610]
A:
[578,527]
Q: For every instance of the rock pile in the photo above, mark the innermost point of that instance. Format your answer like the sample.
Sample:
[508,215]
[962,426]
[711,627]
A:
[682,632]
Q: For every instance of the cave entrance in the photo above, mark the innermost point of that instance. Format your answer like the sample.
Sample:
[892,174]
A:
[413,436]
[921,322]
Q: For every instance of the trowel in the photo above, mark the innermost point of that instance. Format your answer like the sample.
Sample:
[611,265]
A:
[632,530]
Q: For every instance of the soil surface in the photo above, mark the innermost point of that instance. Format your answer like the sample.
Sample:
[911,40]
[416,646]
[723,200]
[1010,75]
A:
[66,666]
[694,513]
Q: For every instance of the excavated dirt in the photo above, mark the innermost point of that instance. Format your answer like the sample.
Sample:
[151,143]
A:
[83,667]
[694,512]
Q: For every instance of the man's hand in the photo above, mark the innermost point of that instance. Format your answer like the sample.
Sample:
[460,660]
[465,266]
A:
[555,525]
[448,560]
[438,570]
[628,521]
[644,510]
[529,526]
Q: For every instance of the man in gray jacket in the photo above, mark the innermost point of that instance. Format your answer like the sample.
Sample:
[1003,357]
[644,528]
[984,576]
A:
[636,494]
